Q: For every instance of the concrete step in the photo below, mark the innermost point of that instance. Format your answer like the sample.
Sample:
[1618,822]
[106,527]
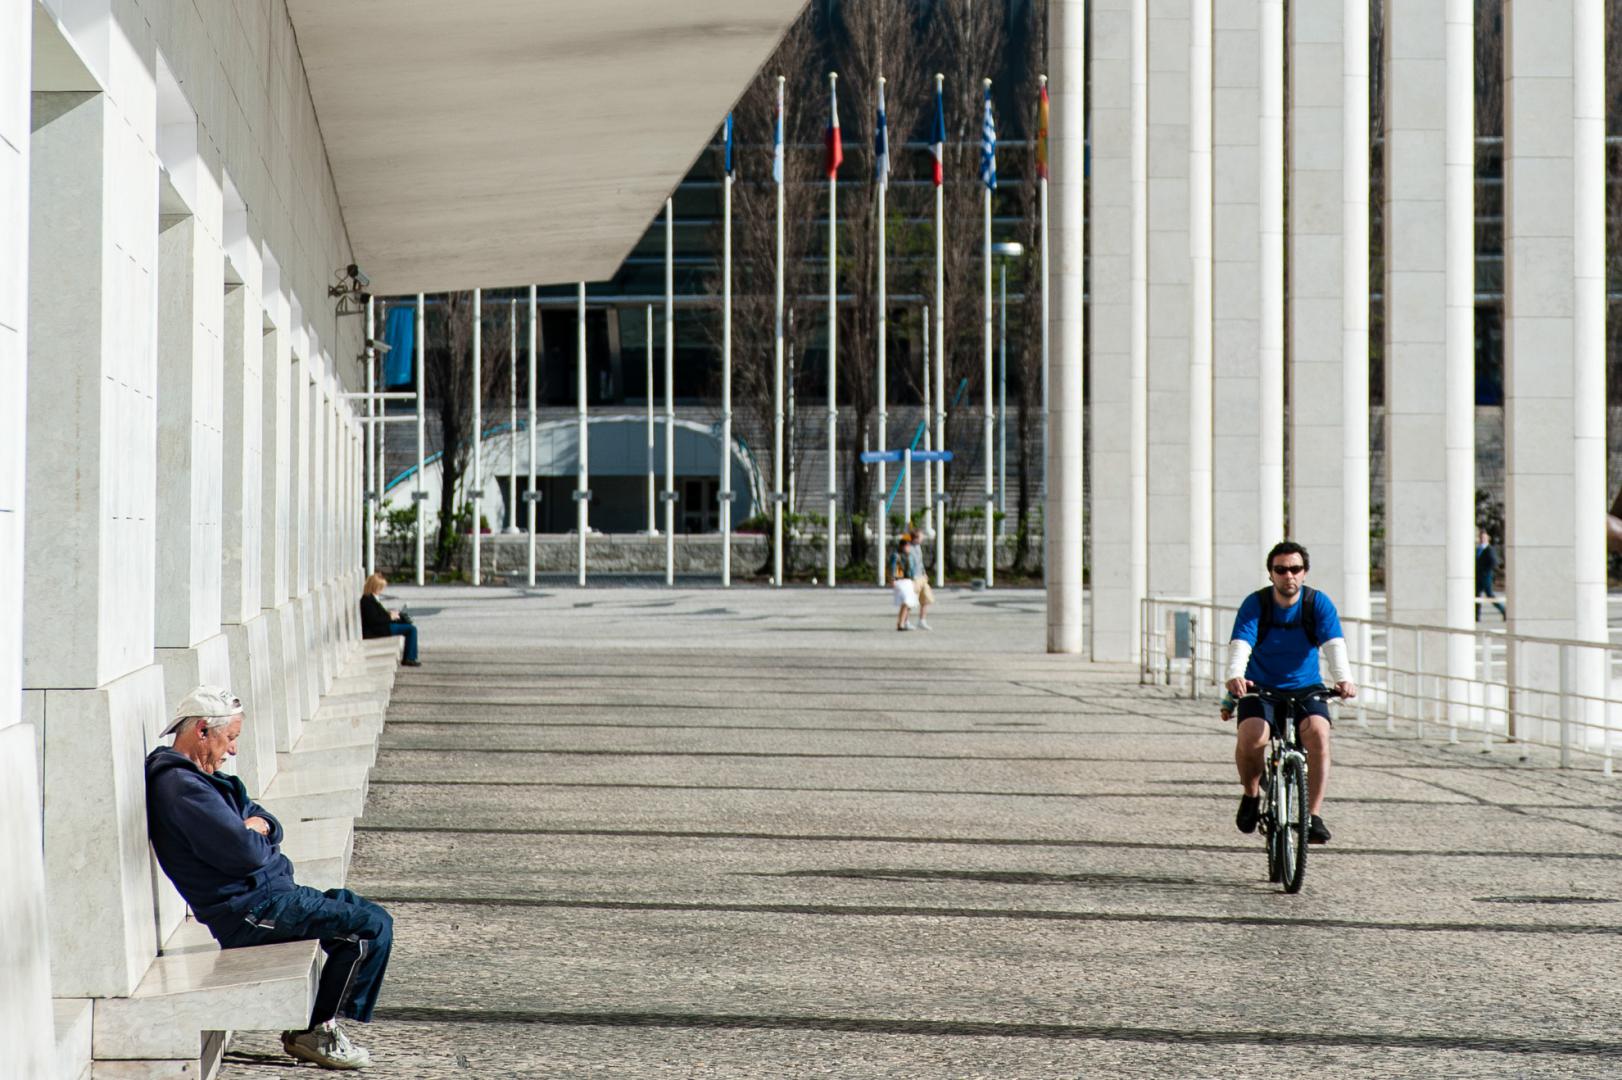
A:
[319,850]
[322,792]
[348,742]
[198,988]
[72,1017]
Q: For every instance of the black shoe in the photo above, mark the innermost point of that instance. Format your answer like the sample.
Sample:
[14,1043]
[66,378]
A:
[1317,832]
[1250,809]
[411,663]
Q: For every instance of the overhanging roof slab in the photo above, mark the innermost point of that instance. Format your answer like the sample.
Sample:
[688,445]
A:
[503,142]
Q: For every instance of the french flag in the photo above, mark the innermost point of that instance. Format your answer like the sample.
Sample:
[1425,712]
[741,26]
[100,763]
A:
[836,149]
[937,139]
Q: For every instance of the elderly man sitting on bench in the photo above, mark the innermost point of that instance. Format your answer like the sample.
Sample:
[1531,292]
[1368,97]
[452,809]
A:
[223,852]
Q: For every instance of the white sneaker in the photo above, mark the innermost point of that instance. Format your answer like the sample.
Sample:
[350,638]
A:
[327,1046]
[922,625]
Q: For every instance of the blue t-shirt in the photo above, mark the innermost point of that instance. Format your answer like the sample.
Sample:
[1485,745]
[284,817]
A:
[1286,660]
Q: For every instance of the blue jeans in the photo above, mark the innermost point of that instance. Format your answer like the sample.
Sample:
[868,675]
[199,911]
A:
[355,933]
[409,632]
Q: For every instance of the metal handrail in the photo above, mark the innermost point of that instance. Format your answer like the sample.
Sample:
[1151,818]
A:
[1508,688]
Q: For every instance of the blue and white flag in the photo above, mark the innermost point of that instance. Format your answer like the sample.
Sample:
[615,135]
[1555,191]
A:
[777,138]
[881,145]
[988,146]
[729,144]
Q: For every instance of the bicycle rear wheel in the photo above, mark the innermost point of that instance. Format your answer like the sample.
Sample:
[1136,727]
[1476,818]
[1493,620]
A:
[1292,827]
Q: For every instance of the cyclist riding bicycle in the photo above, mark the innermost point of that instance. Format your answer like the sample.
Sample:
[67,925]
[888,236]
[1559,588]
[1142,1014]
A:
[1275,642]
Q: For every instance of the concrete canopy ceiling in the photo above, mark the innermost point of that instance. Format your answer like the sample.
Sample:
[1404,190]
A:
[505,142]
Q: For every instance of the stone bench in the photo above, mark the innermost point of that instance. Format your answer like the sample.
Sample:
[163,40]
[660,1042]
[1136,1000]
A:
[320,849]
[71,1018]
[194,993]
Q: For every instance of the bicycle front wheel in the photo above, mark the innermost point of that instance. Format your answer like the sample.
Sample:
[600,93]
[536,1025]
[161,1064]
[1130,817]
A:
[1294,820]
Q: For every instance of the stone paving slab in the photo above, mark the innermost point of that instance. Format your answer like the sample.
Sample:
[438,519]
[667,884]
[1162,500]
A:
[755,834]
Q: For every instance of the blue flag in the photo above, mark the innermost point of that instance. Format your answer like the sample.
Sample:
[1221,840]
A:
[729,144]
[881,145]
[988,147]
[777,139]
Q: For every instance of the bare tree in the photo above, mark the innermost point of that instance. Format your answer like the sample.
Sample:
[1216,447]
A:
[450,384]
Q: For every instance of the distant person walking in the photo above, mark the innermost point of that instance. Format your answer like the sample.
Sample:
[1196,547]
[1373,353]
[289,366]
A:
[920,576]
[1486,568]
[901,586]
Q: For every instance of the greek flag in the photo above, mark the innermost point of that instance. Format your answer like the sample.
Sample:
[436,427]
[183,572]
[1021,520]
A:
[988,146]
[881,145]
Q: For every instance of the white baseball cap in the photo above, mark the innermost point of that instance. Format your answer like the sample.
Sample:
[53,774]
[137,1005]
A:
[210,702]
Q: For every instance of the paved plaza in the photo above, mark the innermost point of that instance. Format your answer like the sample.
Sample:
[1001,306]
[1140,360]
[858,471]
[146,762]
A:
[634,832]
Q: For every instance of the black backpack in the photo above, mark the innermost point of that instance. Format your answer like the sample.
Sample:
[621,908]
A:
[1309,614]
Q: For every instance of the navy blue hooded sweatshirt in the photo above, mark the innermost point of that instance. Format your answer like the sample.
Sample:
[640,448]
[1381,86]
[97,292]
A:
[222,868]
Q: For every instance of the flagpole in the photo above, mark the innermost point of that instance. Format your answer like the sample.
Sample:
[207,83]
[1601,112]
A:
[987,454]
[833,333]
[476,494]
[532,494]
[653,487]
[882,168]
[940,339]
[1042,242]
[421,496]
[670,391]
[726,367]
[777,355]
[512,416]
[371,428]
[582,492]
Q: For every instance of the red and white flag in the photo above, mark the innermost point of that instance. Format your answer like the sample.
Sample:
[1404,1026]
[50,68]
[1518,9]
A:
[836,149]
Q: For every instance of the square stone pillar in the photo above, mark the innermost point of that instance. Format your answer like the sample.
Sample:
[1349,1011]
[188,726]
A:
[1169,571]
[1238,494]
[25,988]
[1316,436]
[91,489]
[1429,380]
[1554,306]
[1119,341]
[1415,313]
[242,576]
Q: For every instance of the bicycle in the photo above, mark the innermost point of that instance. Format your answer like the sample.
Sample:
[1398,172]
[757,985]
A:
[1285,815]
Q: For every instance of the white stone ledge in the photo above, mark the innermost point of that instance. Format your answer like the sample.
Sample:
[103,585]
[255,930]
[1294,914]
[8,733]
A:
[72,1020]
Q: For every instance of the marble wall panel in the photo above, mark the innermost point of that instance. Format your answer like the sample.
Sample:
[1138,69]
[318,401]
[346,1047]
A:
[14,98]
[97,861]
[244,466]
[276,444]
[252,679]
[190,415]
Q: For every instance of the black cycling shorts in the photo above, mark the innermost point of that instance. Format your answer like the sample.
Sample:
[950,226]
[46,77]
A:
[1252,706]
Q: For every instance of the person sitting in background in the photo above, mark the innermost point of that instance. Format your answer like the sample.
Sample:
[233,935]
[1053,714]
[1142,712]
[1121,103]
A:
[223,852]
[377,621]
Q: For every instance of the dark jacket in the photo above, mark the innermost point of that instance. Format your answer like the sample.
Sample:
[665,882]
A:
[1486,566]
[374,617]
[222,868]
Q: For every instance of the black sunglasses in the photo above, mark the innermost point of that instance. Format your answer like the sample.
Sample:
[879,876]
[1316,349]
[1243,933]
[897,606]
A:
[1296,568]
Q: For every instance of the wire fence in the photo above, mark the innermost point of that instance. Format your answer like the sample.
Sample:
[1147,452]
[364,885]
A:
[1481,684]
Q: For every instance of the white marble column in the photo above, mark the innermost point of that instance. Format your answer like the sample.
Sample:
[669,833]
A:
[1201,297]
[1554,296]
[1429,395]
[1170,557]
[1119,342]
[1316,267]
[1064,507]
[25,989]
[1239,400]
[278,415]
[91,489]
[1354,342]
